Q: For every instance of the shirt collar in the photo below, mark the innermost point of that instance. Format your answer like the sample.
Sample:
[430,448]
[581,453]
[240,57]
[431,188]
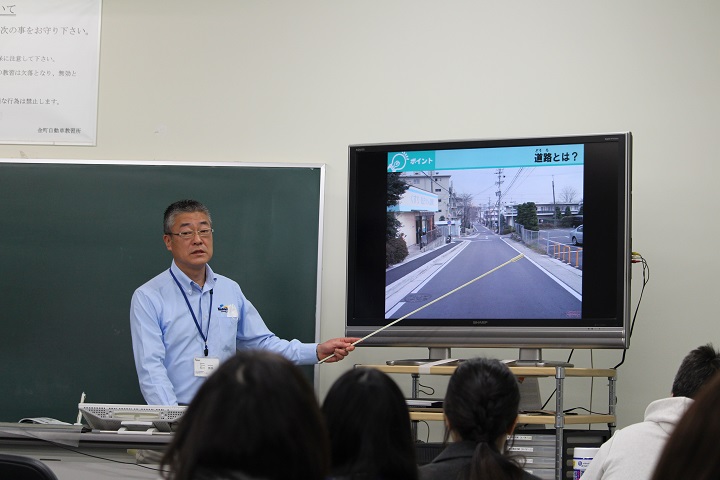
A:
[190,286]
[462,449]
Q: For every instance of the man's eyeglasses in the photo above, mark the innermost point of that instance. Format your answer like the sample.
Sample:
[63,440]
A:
[205,232]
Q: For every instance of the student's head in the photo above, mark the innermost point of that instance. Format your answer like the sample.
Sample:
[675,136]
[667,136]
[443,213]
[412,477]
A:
[695,370]
[187,233]
[481,406]
[369,427]
[256,416]
[692,451]
[482,400]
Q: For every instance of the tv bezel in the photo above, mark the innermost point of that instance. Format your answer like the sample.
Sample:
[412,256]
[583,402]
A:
[586,333]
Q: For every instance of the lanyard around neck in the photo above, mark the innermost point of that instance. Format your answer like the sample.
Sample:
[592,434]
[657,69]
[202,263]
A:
[197,324]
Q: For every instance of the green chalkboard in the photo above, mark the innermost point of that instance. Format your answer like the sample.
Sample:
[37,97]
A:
[79,237]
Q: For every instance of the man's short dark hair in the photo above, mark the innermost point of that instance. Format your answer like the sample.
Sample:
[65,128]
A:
[182,206]
[695,370]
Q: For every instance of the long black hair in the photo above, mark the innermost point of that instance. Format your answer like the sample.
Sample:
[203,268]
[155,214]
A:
[256,416]
[481,406]
[369,426]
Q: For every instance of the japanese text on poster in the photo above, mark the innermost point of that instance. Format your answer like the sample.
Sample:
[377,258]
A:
[49,58]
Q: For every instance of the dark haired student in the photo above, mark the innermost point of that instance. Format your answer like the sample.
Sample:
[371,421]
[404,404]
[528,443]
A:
[692,451]
[189,319]
[633,451]
[481,409]
[369,426]
[256,418]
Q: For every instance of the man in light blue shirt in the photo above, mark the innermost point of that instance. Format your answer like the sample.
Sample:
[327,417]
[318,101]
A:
[188,319]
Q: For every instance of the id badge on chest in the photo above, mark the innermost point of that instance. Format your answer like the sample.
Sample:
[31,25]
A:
[204,366]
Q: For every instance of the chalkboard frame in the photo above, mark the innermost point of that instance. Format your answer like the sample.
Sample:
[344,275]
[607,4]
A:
[83,234]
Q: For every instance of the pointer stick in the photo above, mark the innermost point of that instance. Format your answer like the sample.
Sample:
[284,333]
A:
[514,259]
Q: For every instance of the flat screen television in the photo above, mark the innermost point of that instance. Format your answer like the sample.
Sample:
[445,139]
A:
[480,243]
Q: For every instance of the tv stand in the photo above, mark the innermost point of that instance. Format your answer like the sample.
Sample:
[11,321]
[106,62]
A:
[532,357]
[450,362]
[557,417]
[527,357]
[435,355]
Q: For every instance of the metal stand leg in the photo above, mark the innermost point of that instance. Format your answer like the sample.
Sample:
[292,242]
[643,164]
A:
[559,421]
[612,402]
[414,392]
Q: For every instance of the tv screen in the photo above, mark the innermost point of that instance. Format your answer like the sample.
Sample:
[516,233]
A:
[480,243]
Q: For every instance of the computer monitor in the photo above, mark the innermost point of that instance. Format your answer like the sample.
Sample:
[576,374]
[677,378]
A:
[118,417]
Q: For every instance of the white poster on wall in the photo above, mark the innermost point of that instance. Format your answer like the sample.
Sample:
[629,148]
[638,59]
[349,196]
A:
[49,61]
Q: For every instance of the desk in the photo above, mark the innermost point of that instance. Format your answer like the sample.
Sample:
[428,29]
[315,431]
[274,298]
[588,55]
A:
[76,455]
[100,471]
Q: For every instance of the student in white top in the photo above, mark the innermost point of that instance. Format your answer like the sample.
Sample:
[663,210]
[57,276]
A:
[633,452]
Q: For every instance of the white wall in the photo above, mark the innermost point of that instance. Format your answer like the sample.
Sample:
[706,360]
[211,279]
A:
[286,81]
